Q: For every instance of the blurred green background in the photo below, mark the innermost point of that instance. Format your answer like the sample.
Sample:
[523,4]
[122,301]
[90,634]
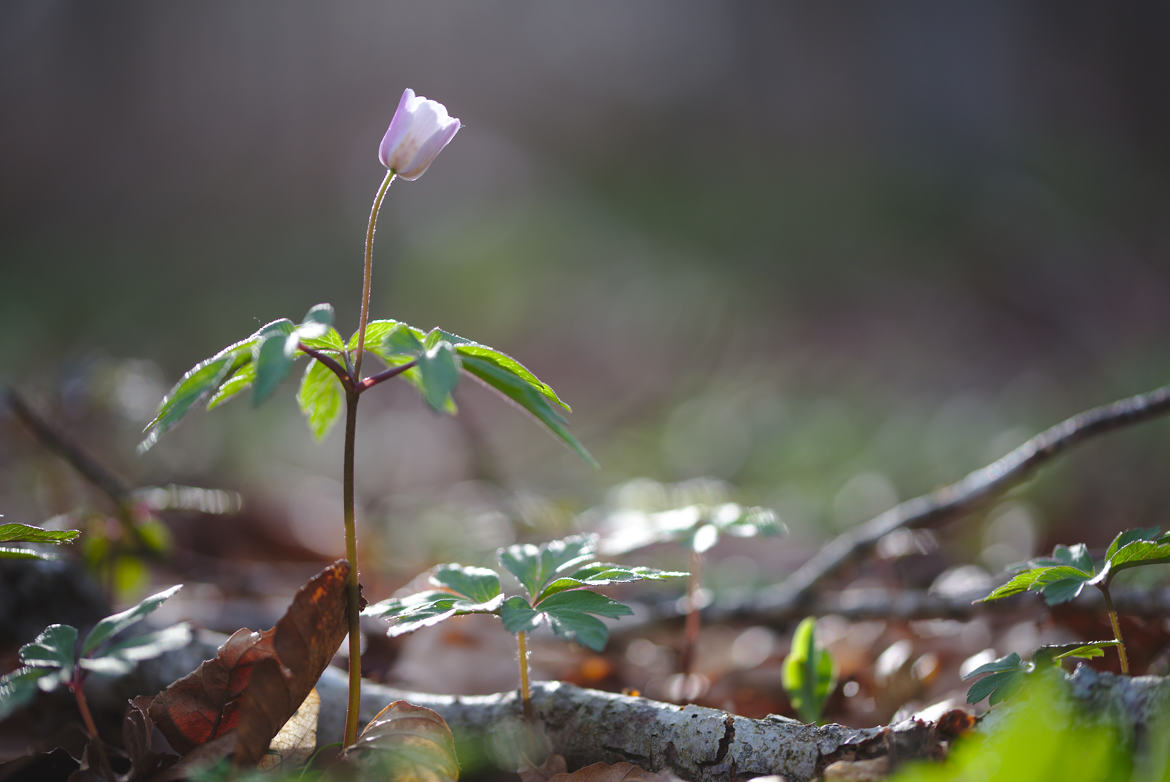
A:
[832,254]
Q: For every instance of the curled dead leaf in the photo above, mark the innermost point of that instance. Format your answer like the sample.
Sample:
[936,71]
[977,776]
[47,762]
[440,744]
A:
[407,743]
[294,743]
[258,680]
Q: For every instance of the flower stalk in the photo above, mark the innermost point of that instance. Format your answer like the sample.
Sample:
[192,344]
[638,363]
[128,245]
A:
[417,133]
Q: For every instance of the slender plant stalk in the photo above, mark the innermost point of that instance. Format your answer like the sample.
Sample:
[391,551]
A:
[525,690]
[368,273]
[353,607]
[353,389]
[691,629]
[87,718]
[1122,657]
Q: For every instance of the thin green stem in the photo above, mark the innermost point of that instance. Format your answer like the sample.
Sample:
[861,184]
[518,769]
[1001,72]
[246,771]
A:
[353,595]
[1122,657]
[87,719]
[691,629]
[368,273]
[525,691]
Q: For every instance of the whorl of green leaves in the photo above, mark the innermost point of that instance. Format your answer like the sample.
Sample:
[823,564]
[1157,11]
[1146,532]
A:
[438,359]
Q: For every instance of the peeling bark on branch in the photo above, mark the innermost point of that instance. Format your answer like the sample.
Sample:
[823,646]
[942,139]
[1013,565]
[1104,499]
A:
[695,743]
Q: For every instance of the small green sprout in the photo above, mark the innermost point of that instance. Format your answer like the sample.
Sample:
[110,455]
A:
[697,527]
[557,579]
[53,659]
[809,676]
[1061,577]
[1003,677]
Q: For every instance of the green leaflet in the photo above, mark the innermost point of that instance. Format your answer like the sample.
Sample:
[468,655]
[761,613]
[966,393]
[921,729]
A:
[478,584]
[198,382]
[535,566]
[120,621]
[525,394]
[23,533]
[321,398]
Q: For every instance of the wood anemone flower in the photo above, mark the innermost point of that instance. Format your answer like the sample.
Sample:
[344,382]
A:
[418,132]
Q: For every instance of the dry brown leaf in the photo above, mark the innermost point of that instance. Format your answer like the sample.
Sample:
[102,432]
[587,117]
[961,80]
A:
[613,772]
[258,680]
[294,743]
[407,743]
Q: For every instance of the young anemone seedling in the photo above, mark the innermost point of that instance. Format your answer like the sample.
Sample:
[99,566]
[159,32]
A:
[697,528]
[557,580]
[53,659]
[432,361]
[1061,577]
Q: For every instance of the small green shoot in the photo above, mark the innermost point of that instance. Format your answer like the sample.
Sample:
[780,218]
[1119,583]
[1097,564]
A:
[1003,677]
[53,659]
[1061,577]
[557,579]
[809,675]
[696,527]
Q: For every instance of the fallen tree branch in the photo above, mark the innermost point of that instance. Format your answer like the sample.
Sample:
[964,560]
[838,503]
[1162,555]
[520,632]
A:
[876,603]
[586,726]
[693,742]
[966,494]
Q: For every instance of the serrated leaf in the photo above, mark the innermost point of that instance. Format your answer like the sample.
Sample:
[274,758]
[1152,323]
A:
[1036,579]
[54,647]
[272,366]
[807,674]
[376,331]
[198,382]
[118,622]
[518,616]
[579,627]
[1087,651]
[240,380]
[467,347]
[439,374]
[572,616]
[425,609]
[23,533]
[120,658]
[321,398]
[1076,556]
[329,342]
[1062,590]
[402,341]
[1139,552]
[601,574]
[13,532]
[1010,662]
[995,687]
[1130,535]
[477,584]
[535,566]
[19,687]
[319,313]
[521,391]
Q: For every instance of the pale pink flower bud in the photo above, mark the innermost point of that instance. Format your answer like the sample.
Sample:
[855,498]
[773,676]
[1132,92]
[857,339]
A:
[418,131]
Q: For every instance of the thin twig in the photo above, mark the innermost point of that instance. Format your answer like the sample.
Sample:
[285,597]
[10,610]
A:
[889,604]
[85,465]
[975,489]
